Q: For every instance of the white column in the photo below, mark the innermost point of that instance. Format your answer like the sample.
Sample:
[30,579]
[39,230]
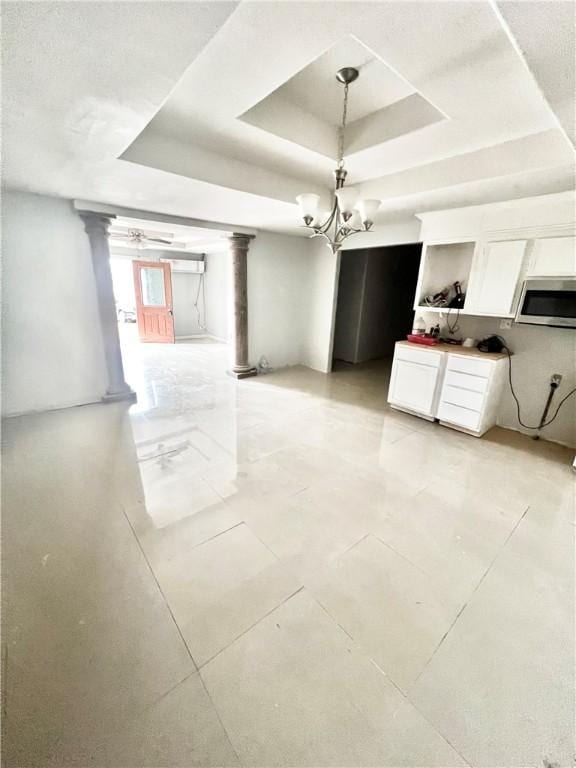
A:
[96,226]
[239,245]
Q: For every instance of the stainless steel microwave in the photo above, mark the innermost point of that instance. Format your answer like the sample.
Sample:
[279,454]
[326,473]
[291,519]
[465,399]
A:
[548,301]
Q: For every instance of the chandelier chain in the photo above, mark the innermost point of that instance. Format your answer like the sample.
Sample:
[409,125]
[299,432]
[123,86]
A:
[342,129]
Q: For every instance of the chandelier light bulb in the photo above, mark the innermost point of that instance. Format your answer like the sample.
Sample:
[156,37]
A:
[347,197]
[367,210]
[354,222]
[308,203]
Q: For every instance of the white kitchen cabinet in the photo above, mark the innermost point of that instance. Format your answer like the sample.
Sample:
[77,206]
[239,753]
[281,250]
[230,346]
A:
[553,257]
[415,380]
[495,278]
[462,389]
[471,392]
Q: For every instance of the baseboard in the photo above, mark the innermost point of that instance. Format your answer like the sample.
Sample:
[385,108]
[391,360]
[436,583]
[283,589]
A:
[192,336]
[202,336]
[221,339]
[543,436]
[50,409]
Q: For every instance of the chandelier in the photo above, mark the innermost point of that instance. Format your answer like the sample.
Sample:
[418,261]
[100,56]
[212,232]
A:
[348,215]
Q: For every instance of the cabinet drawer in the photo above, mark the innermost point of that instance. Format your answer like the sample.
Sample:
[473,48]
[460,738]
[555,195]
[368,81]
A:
[464,397]
[470,365]
[466,381]
[421,356]
[461,417]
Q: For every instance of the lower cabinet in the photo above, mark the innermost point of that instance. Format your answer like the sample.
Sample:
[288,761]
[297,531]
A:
[461,390]
[415,381]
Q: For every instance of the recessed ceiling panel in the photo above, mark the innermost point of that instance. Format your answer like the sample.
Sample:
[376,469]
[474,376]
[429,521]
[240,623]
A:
[307,109]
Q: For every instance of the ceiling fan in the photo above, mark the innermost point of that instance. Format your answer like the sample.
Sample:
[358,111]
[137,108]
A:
[137,238]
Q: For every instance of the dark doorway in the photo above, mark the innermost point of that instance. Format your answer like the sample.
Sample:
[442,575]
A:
[375,301]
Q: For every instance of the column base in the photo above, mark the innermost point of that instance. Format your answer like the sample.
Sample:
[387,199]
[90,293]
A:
[128,395]
[243,374]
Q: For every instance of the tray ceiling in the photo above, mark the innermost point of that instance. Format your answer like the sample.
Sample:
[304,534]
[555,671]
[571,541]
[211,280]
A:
[458,103]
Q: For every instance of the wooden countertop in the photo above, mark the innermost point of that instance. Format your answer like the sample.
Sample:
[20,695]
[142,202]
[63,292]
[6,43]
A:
[455,349]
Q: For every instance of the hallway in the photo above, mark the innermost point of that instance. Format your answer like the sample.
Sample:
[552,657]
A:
[282,571]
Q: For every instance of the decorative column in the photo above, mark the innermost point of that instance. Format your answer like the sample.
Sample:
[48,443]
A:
[239,245]
[96,226]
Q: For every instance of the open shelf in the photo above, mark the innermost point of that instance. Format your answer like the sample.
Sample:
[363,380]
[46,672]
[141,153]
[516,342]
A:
[444,264]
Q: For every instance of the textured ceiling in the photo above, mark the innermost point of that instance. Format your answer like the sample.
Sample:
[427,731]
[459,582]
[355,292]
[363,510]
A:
[139,104]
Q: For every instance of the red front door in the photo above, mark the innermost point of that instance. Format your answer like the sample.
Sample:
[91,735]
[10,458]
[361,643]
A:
[153,287]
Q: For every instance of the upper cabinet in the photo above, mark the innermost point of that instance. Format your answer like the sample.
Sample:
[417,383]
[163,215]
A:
[442,265]
[553,257]
[495,278]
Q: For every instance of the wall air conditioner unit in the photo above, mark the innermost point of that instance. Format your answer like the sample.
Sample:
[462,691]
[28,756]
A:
[193,266]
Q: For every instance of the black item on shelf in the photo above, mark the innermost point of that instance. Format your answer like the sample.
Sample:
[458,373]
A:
[458,301]
[492,344]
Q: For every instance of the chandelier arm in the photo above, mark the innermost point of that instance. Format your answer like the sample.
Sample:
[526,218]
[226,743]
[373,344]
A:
[326,226]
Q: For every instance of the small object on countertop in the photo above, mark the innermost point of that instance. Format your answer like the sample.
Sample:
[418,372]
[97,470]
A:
[419,327]
[451,340]
[469,342]
[491,344]
[435,332]
[422,338]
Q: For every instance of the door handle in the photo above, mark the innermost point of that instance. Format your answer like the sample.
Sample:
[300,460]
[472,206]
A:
[170,312]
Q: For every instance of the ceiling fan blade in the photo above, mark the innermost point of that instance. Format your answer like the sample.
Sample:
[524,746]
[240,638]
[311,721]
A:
[158,240]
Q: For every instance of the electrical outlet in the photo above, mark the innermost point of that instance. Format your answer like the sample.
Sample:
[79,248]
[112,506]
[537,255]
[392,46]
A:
[505,324]
[556,378]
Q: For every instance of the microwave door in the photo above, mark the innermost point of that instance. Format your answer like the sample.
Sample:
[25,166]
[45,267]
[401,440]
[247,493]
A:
[548,303]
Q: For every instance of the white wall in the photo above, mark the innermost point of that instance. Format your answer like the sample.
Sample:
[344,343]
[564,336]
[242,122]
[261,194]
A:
[186,287]
[322,287]
[218,287]
[52,345]
[278,298]
[392,231]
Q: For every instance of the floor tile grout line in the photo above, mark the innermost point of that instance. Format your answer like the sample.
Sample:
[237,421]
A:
[474,591]
[166,693]
[244,632]
[403,693]
[217,535]
[160,590]
[240,764]
[412,704]
[327,612]
[335,559]
[406,559]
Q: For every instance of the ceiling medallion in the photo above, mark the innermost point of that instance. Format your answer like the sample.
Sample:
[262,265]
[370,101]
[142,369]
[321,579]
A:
[347,212]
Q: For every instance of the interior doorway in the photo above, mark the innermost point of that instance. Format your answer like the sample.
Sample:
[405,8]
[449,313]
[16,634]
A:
[375,300]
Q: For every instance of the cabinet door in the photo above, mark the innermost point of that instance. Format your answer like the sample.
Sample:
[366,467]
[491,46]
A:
[553,257]
[413,386]
[495,277]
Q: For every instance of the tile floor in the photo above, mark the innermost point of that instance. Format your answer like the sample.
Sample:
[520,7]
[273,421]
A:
[282,572]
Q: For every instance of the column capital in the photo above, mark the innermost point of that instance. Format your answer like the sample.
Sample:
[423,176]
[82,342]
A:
[96,222]
[240,241]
